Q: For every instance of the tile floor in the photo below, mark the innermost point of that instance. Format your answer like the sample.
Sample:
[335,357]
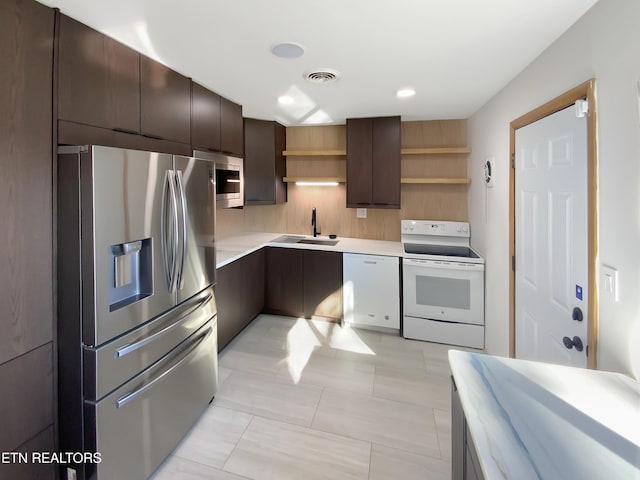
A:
[303,399]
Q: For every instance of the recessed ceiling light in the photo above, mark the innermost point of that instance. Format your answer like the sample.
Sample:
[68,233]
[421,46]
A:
[287,50]
[406,92]
[285,99]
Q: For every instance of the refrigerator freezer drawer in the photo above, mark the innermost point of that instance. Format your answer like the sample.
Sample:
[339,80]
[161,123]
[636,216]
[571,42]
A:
[112,364]
[450,333]
[138,425]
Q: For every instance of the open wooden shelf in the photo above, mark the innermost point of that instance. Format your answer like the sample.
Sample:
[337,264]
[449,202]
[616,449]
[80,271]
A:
[441,181]
[403,151]
[435,151]
[314,179]
[314,153]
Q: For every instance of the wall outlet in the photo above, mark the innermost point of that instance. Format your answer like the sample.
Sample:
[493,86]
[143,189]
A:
[361,212]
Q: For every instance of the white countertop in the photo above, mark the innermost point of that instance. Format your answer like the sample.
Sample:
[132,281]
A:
[232,248]
[536,420]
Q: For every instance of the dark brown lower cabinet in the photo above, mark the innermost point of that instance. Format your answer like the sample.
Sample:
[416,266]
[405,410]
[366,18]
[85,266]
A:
[304,283]
[282,281]
[283,287]
[43,442]
[26,402]
[239,295]
[322,284]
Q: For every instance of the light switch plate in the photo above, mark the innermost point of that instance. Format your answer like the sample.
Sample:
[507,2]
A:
[609,281]
[361,212]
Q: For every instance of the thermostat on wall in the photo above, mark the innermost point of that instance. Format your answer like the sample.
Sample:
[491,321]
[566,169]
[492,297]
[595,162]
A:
[488,172]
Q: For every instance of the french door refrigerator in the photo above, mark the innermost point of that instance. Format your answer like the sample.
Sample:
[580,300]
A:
[137,330]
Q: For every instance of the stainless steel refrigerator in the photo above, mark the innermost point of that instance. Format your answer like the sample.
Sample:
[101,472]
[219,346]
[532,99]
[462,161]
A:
[137,330]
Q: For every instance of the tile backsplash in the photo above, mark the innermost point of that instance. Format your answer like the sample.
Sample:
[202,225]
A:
[433,202]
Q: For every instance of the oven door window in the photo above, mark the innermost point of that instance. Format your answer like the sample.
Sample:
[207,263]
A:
[449,293]
[443,292]
[227,182]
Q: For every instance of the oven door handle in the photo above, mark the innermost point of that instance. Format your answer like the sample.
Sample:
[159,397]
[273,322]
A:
[410,262]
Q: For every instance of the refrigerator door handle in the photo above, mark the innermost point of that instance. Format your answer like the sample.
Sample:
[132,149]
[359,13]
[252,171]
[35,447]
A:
[132,347]
[194,344]
[169,236]
[183,201]
[163,231]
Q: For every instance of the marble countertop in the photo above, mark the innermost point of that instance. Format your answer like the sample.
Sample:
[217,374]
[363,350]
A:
[537,420]
[231,248]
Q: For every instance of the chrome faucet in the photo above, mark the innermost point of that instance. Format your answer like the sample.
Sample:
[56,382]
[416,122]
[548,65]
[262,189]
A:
[314,222]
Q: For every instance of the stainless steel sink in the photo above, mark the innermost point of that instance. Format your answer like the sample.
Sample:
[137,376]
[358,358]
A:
[314,241]
[307,240]
[288,239]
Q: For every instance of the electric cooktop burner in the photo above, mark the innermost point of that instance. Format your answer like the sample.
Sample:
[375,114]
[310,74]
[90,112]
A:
[444,250]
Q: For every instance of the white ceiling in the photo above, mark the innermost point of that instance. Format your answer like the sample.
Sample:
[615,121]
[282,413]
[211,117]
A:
[456,54]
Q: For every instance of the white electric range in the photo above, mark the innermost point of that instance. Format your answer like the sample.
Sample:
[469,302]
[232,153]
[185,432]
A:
[443,284]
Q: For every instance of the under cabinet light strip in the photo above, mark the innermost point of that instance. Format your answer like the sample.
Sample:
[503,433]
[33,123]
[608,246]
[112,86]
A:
[317,184]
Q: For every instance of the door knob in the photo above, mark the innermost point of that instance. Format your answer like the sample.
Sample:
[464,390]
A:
[577,314]
[575,342]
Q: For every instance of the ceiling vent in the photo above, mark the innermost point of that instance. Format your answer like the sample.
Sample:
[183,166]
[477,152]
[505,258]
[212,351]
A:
[322,75]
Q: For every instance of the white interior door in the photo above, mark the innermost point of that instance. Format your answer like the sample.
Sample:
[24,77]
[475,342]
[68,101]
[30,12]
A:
[551,239]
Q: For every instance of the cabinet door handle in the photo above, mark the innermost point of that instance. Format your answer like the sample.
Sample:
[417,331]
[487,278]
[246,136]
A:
[125,130]
[155,137]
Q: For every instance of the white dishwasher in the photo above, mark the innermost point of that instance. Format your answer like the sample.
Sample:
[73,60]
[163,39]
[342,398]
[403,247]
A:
[371,286]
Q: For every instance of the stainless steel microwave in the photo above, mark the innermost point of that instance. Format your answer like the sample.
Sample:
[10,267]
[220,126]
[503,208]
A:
[229,179]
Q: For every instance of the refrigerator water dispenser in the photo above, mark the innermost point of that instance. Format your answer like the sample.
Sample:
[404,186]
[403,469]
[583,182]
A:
[131,273]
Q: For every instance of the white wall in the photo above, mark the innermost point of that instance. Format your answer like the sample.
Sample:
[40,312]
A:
[604,44]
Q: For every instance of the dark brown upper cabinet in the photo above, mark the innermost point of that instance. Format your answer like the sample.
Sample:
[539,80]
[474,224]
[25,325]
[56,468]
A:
[98,79]
[205,119]
[231,128]
[165,102]
[264,164]
[373,162]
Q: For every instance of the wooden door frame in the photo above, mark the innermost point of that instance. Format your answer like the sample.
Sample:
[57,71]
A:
[584,90]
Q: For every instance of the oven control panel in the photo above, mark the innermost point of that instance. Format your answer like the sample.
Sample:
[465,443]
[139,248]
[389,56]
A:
[435,228]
